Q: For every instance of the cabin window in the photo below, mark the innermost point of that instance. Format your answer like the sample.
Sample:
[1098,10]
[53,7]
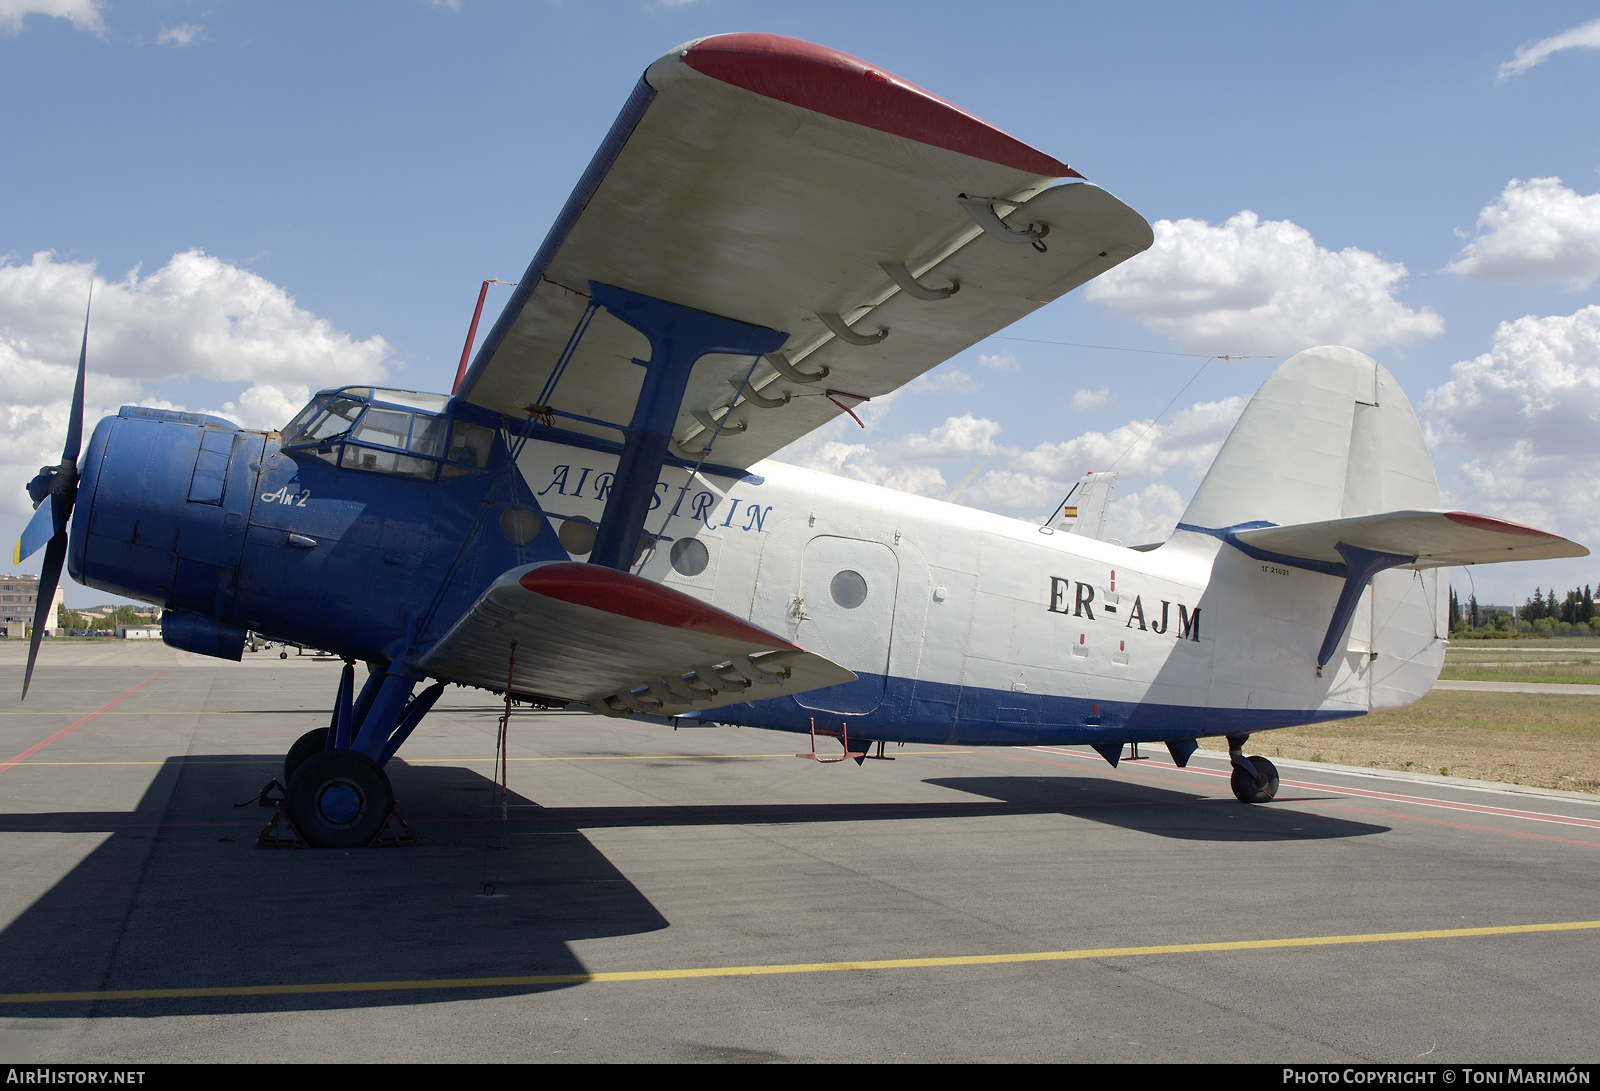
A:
[403,438]
[689,556]
[849,588]
[577,536]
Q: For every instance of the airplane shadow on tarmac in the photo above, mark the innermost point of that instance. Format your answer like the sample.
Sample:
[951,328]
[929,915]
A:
[178,896]
[1164,813]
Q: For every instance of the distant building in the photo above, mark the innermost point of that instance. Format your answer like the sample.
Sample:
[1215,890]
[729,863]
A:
[139,632]
[18,596]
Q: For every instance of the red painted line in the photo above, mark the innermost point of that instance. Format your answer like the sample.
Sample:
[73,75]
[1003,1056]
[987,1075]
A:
[1420,801]
[36,747]
[1457,825]
[1424,801]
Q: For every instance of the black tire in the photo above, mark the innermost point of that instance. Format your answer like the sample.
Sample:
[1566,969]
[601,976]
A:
[339,799]
[312,742]
[283,655]
[1246,788]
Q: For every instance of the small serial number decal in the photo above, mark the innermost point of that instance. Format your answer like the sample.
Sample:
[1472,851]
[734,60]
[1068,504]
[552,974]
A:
[1274,570]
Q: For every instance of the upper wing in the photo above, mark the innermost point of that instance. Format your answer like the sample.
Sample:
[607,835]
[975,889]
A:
[584,633]
[770,181]
[1436,539]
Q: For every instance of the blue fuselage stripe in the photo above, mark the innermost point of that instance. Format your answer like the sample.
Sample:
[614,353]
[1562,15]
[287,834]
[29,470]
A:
[916,710]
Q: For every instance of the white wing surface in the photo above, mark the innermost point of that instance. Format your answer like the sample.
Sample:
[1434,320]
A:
[619,642]
[1436,539]
[790,186]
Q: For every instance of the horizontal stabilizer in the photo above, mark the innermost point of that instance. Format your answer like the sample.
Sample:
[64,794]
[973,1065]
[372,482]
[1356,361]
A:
[1435,539]
[620,643]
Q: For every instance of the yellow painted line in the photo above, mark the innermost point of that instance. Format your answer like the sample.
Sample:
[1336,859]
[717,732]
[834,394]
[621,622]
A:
[427,984]
[490,761]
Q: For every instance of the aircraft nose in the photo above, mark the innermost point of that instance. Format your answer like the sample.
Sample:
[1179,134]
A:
[162,503]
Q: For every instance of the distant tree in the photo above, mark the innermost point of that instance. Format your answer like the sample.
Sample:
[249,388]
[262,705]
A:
[1572,606]
[1472,610]
[1455,611]
[1533,609]
[70,620]
[1586,611]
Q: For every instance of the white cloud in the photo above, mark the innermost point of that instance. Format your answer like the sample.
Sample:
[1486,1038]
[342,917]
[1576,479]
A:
[1527,413]
[196,316]
[943,379]
[1185,443]
[1539,230]
[1586,36]
[1091,399]
[1000,361]
[1257,287]
[179,35]
[83,14]
[908,463]
[1145,516]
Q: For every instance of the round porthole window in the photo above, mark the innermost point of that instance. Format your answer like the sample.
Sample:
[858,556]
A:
[849,589]
[577,536]
[690,556]
[520,525]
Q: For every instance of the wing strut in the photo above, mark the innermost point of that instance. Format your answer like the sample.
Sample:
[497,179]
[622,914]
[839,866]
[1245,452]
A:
[679,336]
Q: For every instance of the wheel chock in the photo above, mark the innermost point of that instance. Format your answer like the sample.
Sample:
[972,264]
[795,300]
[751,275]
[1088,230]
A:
[280,833]
[403,837]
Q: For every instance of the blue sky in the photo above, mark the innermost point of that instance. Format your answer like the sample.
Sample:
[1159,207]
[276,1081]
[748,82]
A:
[345,176]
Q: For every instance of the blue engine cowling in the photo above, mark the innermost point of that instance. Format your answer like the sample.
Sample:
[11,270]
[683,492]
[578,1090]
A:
[162,510]
[230,532]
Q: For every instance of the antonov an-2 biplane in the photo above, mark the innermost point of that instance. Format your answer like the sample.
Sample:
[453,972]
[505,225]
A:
[770,234]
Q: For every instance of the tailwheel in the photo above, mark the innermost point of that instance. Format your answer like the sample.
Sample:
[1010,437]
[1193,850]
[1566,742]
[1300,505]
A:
[339,799]
[312,742]
[1257,789]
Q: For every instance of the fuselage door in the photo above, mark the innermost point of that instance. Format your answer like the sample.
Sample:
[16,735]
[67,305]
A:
[847,596]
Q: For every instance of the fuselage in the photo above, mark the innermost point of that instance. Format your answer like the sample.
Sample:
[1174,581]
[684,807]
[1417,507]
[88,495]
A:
[962,626]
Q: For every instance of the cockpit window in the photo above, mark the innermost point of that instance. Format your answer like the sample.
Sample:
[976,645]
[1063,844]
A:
[346,428]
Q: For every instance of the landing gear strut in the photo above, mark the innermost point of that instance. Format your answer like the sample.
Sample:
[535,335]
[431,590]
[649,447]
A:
[338,794]
[1255,779]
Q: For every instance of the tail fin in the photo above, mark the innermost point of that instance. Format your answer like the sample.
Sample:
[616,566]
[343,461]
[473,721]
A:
[1327,473]
[1328,436]
[1084,510]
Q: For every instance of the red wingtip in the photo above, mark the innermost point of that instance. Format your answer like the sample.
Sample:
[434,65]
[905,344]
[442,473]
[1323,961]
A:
[814,77]
[1502,526]
[641,599]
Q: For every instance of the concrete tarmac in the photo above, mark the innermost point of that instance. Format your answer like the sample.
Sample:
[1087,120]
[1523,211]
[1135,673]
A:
[1571,689]
[702,895]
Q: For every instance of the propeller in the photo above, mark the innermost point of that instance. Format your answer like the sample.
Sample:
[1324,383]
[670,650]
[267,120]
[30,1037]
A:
[53,491]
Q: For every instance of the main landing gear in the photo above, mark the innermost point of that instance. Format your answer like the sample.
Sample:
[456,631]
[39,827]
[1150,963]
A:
[338,795]
[1255,779]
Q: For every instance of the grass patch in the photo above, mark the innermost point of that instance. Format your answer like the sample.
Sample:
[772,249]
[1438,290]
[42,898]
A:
[1573,663]
[1545,740]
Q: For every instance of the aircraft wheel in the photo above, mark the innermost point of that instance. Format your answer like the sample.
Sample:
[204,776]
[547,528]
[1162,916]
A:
[283,655]
[339,799]
[312,742]
[1246,788]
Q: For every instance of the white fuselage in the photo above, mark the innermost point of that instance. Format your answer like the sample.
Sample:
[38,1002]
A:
[978,628]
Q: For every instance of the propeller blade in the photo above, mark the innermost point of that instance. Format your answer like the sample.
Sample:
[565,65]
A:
[58,486]
[69,453]
[49,576]
[40,529]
